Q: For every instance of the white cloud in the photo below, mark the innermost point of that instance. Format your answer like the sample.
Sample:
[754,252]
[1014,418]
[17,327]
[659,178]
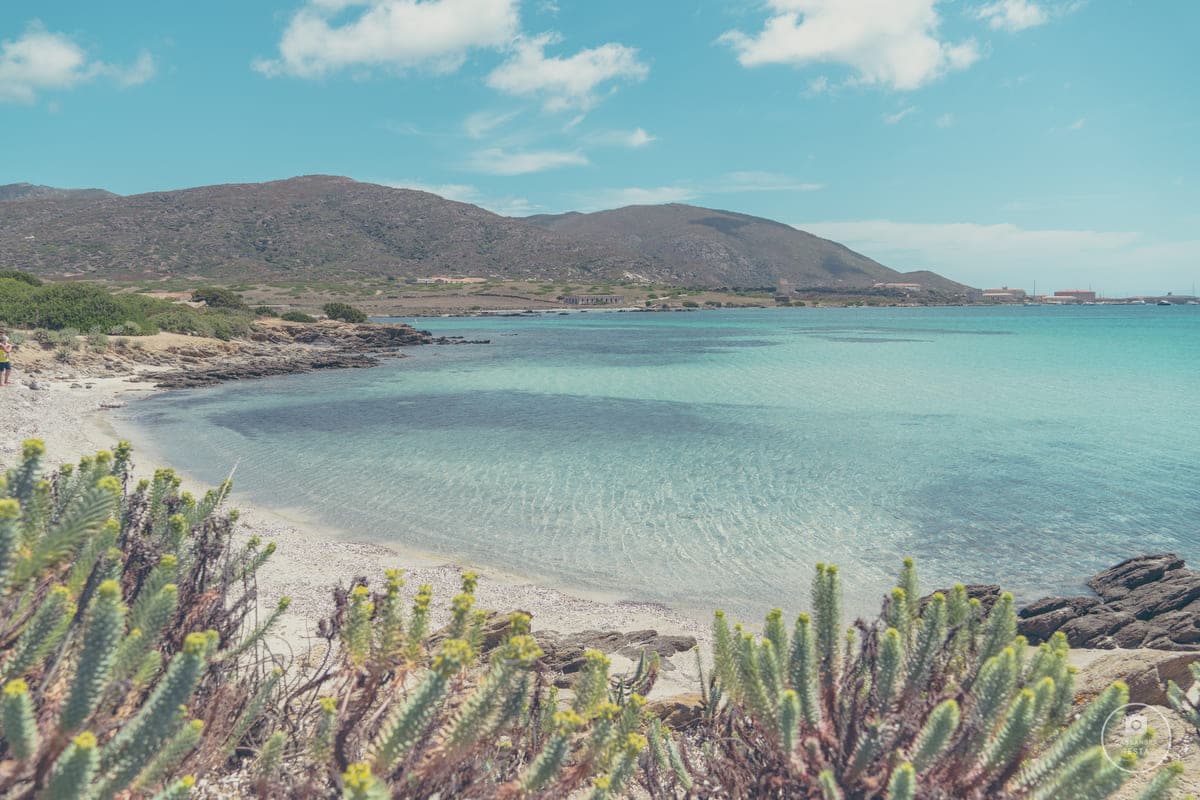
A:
[481,123]
[632,139]
[1013,15]
[729,183]
[1077,124]
[945,120]
[41,60]
[637,196]
[498,161]
[565,82]
[892,43]
[396,34]
[755,181]
[892,119]
[1119,262]
[463,193]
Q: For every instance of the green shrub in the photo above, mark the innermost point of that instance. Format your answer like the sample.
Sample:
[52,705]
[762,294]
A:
[23,277]
[936,699]
[97,340]
[126,328]
[297,316]
[219,297]
[690,304]
[124,615]
[344,312]
[264,311]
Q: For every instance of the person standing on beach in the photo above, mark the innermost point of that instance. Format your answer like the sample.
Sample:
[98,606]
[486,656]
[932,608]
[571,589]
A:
[6,349]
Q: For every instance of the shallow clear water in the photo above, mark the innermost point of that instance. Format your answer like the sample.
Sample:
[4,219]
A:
[711,458]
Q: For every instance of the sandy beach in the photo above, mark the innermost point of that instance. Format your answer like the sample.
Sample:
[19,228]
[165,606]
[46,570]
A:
[72,412]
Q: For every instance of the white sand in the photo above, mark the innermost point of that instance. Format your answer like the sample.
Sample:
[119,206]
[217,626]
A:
[311,559]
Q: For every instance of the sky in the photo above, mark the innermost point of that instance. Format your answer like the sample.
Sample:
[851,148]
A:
[999,142]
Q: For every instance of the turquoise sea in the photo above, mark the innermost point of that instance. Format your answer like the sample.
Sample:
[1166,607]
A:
[702,459]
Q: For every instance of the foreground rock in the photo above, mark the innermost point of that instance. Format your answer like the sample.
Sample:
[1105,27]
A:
[1149,601]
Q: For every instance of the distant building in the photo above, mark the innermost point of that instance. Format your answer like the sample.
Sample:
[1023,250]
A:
[1080,295]
[1004,295]
[450,279]
[593,299]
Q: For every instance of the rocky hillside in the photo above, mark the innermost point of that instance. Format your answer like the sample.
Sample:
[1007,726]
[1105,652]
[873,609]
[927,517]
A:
[706,247]
[323,227]
[28,191]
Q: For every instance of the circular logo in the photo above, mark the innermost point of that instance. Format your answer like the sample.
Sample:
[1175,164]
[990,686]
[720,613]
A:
[1142,730]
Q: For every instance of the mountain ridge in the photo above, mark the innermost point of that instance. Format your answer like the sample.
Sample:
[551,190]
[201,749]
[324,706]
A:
[330,227]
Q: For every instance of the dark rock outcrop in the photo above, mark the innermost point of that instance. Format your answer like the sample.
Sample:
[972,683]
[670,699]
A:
[1148,601]
[286,348]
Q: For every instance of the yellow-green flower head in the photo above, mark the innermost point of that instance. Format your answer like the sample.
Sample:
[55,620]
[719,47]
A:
[518,622]
[719,614]
[168,561]
[196,725]
[775,614]
[424,596]
[939,597]
[607,710]
[804,619]
[59,592]
[567,721]
[634,743]
[462,603]
[635,701]
[170,588]
[234,514]
[469,581]
[454,654]
[143,485]
[602,783]
[16,688]
[908,562]
[195,644]
[188,781]
[328,704]
[187,499]
[523,649]
[9,509]
[112,527]
[33,448]
[283,604]
[253,542]
[124,449]
[85,463]
[110,483]
[596,658]
[358,777]
[66,470]
[109,590]
[270,548]
[104,457]
[360,593]
[85,740]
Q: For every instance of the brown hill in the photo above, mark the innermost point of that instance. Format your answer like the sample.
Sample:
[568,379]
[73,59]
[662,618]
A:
[708,247]
[28,191]
[324,227]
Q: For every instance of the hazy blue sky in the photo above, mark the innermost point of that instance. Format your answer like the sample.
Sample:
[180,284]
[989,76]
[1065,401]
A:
[996,141]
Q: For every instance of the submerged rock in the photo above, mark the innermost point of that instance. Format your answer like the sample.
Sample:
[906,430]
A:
[1149,601]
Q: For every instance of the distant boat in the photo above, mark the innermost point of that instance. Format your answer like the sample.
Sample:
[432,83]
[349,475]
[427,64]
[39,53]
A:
[1137,302]
[1164,303]
[1193,302]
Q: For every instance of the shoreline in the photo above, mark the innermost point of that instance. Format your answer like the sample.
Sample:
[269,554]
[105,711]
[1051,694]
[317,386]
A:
[312,558]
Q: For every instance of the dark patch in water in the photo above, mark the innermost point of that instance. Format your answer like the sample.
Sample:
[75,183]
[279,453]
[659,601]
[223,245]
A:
[869,339]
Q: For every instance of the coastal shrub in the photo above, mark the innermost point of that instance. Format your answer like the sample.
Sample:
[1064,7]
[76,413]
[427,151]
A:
[690,304]
[934,699]
[1187,708]
[97,340]
[464,712]
[264,311]
[126,328]
[219,297]
[344,312]
[23,277]
[126,630]
[297,316]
